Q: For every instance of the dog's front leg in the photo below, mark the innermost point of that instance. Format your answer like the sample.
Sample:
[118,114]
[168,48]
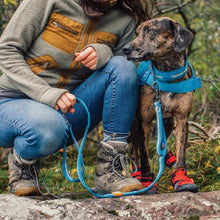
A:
[181,134]
[135,138]
[180,180]
[143,148]
[139,153]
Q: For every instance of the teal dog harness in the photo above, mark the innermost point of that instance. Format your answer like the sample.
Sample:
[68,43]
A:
[148,74]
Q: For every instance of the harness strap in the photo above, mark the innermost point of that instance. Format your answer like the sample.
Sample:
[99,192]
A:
[146,76]
[171,75]
[179,87]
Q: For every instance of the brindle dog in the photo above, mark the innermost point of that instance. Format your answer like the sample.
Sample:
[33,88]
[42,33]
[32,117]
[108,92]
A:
[164,42]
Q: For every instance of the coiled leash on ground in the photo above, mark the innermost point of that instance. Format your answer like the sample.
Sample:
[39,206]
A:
[161,148]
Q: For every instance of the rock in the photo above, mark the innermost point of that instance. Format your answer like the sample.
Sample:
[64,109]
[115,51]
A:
[184,205]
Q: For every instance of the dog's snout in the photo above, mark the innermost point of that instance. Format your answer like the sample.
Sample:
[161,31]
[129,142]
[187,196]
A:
[127,49]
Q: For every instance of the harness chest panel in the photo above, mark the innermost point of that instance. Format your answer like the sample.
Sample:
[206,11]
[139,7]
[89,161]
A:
[148,74]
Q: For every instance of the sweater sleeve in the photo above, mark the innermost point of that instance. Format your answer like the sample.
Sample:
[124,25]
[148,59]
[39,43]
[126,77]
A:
[104,52]
[26,24]
[129,33]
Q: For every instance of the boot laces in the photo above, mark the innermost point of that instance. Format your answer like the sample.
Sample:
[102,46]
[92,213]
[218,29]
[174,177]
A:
[26,172]
[121,163]
[36,174]
[32,172]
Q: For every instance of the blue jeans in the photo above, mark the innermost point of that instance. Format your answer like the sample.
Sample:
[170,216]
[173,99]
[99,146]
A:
[36,130]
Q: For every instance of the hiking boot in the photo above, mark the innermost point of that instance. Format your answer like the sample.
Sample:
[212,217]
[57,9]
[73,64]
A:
[108,174]
[181,182]
[22,175]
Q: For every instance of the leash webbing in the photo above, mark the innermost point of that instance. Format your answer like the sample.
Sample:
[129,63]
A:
[161,148]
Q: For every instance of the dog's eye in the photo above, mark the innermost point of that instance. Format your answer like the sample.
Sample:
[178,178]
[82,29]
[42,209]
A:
[147,30]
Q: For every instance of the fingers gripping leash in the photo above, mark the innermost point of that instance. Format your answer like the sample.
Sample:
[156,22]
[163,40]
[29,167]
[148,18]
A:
[161,148]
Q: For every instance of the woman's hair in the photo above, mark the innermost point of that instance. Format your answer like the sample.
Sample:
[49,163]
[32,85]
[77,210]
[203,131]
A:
[137,8]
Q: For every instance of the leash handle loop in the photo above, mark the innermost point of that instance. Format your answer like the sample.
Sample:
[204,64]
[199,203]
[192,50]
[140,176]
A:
[161,151]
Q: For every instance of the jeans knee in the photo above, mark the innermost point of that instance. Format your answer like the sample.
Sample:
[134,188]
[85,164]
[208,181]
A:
[54,136]
[124,69]
[46,136]
[122,63]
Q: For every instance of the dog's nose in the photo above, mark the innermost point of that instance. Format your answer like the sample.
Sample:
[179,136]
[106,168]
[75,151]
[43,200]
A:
[127,49]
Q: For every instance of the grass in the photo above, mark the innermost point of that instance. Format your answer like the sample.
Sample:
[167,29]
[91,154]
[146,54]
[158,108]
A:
[202,162]
[202,165]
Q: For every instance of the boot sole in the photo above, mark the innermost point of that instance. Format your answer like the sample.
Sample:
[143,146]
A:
[133,187]
[127,188]
[30,191]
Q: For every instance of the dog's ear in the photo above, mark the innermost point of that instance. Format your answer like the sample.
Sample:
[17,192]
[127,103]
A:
[182,38]
[138,29]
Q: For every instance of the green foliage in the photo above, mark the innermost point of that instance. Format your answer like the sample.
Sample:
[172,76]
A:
[205,59]
[203,165]
[8,2]
[2,20]
[7,8]
[3,178]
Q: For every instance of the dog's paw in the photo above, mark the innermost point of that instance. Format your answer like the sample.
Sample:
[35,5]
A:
[181,182]
[170,159]
[146,181]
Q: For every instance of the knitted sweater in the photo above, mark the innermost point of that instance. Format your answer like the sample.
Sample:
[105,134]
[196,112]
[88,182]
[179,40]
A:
[38,46]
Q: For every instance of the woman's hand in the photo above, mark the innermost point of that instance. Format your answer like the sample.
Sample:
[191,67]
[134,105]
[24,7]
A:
[66,102]
[87,57]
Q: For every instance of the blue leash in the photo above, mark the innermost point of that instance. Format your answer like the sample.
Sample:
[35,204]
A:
[161,148]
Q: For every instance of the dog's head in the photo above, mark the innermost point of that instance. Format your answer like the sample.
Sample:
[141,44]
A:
[158,38]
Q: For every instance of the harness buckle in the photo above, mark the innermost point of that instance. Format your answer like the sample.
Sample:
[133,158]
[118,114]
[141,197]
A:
[155,87]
